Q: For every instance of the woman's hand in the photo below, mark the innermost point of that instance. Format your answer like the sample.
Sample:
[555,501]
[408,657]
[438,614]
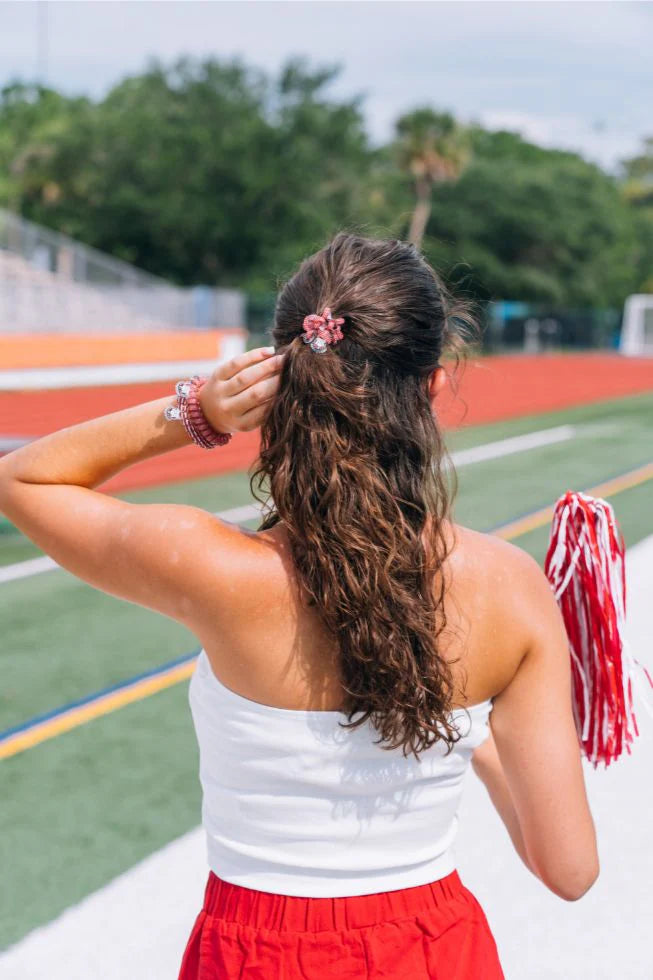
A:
[237,395]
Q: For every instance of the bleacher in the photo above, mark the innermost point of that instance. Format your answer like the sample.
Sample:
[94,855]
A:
[52,284]
[34,300]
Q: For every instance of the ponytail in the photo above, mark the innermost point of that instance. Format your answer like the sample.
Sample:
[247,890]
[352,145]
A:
[354,461]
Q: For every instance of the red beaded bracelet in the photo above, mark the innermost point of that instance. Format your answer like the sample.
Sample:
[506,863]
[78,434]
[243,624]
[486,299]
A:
[189,411]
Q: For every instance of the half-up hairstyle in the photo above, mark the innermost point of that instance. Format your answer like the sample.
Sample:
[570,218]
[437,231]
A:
[355,461]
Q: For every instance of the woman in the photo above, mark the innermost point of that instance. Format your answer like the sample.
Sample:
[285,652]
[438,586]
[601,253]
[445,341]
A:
[353,648]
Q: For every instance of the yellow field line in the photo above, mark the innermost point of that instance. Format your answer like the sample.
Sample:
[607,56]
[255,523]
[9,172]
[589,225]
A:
[106,703]
[103,705]
[538,518]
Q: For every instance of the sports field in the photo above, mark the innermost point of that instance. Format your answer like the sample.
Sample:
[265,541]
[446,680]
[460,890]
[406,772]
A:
[87,798]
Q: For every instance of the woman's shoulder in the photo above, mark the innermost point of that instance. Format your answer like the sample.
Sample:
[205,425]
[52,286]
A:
[492,556]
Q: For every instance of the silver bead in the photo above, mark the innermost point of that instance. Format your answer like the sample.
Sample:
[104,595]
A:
[182,388]
[172,413]
[319,345]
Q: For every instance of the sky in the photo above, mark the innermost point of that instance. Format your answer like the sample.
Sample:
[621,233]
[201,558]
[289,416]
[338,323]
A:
[577,75]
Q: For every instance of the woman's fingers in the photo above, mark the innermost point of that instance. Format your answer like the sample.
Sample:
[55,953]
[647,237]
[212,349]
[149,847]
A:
[245,369]
[242,387]
[253,396]
[251,376]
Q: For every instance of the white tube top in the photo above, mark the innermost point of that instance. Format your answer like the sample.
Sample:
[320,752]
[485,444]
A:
[296,805]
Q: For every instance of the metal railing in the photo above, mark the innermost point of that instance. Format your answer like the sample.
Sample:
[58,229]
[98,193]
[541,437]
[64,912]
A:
[48,280]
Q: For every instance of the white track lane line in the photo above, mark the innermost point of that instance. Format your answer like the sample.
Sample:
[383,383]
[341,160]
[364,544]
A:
[39,379]
[464,457]
[136,927]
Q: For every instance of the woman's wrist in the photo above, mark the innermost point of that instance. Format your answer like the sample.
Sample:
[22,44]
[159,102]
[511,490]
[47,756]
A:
[211,411]
[190,413]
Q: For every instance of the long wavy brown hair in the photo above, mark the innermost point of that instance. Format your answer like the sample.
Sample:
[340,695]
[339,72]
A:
[354,463]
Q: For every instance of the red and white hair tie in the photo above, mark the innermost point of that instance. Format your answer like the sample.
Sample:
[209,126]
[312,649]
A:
[189,412]
[322,330]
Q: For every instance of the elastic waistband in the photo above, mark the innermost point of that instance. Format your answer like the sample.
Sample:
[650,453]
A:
[290,913]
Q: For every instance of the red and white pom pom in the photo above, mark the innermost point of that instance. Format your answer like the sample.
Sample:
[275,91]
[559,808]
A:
[585,564]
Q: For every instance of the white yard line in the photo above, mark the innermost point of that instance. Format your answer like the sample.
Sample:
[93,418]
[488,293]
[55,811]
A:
[464,457]
[515,444]
[138,924]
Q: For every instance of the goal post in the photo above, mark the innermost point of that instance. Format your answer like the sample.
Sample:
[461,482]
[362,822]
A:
[637,327]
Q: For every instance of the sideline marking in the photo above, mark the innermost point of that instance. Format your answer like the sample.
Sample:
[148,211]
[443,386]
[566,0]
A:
[537,518]
[516,444]
[463,457]
[53,723]
[44,727]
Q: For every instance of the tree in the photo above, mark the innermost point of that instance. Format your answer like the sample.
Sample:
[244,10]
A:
[209,171]
[528,223]
[638,192]
[201,171]
[432,147]
[33,119]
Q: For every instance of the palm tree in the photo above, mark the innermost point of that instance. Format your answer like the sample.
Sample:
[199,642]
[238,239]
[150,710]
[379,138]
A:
[432,148]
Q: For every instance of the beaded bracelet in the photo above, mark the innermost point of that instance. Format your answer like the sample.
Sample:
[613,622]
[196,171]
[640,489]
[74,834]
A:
[189,411]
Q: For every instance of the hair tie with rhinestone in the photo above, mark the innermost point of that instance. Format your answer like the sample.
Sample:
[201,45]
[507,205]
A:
[189,411]
[320,331]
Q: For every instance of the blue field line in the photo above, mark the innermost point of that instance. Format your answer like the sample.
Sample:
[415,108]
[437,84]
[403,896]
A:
[48,715]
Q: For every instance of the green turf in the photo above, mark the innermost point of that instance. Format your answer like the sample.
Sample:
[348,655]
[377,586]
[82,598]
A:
[80,641]
[14,547]
[81,808]
[633,511]
[637,406]
[211,492]
[613,438]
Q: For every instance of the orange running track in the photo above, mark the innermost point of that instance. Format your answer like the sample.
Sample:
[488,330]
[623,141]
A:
[490,389]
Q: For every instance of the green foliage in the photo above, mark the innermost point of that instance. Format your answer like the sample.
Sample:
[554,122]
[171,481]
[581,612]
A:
[209,171]
[638,190]
[431,145]
[543,226]
[203,172]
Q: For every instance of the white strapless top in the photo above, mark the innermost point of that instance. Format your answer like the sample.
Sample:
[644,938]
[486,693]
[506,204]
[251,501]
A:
[296,805]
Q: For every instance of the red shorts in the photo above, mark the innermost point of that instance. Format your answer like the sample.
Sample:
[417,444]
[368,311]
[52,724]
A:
[431,932]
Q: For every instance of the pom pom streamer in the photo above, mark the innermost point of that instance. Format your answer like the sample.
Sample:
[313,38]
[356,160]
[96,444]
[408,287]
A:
[586,568]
